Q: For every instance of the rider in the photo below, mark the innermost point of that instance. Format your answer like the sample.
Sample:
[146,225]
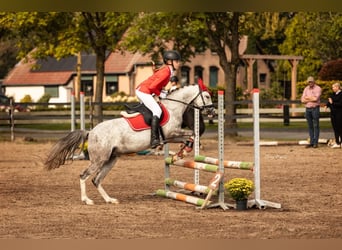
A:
[153,85]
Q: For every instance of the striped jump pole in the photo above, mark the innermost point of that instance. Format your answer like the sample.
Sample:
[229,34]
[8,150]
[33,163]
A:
[188,186]
[180,197]
[227,164]
[196,143]
[192,164]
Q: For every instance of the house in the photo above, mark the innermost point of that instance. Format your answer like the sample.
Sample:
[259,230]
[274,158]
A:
[123,72]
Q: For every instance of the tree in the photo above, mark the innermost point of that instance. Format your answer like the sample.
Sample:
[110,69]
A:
[103,32]
[191,33]
[8,54]
[223,34]
[267,30]
[155,32]
[317,37]
[61,34]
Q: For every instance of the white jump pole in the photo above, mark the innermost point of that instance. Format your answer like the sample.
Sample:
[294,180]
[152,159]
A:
[220,202]
[82,111]
[72,110]
[261,204]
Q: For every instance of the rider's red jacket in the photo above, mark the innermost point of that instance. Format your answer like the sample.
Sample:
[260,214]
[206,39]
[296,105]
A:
[155,83]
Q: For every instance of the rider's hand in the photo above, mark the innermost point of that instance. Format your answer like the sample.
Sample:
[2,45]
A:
[163,94]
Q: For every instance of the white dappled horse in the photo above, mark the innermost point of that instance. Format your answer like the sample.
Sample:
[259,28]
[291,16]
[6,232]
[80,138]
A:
[109,139]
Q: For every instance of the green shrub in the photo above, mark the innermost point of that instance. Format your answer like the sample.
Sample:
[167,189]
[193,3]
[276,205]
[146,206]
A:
[43,99]
[26,99]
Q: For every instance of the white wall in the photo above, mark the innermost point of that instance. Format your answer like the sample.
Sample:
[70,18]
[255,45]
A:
[36,92]
[18,92]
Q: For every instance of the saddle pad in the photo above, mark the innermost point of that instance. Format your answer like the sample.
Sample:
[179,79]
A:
[138,123]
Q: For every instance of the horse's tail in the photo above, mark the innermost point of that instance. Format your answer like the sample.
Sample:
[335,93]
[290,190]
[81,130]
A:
[65,148]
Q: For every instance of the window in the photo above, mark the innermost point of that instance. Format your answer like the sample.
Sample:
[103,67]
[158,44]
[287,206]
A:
[262,78]
[185,75]
[51,90]
[213,76]
[112,85]
[87,85]
[198,73]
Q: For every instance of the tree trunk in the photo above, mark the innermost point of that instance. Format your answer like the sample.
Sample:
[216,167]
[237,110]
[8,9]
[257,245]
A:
[100,62]
[230,70]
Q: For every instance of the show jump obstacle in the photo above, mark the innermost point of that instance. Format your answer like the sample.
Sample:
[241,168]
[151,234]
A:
[257,201]
[218,170]
[215,166]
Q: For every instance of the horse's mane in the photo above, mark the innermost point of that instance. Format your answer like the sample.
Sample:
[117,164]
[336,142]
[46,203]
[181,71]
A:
[178,90]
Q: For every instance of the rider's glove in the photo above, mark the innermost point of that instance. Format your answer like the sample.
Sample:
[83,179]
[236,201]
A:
[163,94]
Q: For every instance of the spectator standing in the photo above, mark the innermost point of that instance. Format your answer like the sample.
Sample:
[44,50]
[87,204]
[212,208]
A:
[335,105]
[311,97]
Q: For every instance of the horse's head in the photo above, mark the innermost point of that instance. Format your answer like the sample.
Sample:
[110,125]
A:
[193,96]
[203,101]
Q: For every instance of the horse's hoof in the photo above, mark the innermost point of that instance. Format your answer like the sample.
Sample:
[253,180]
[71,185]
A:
[112,201]
[88,202]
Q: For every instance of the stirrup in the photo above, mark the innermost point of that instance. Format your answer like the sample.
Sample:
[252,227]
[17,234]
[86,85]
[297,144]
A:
[155,144]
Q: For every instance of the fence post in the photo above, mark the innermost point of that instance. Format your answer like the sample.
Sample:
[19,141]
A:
[11,113]
[286,112]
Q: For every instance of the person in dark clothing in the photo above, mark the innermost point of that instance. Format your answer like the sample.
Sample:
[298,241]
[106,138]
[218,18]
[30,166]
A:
[335,105]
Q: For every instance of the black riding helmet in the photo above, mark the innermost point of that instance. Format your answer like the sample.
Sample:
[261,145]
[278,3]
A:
[171,55]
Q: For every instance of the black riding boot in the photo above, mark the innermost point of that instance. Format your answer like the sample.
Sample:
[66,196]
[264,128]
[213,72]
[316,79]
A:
[155,132]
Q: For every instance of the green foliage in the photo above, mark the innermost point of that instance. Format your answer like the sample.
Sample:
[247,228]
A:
[265,31]
[213,91]
[154,32]
[43,99]
[8,54]
[275,92]
[317,37]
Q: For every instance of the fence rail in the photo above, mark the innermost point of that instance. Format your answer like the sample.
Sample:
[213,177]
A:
[283,112]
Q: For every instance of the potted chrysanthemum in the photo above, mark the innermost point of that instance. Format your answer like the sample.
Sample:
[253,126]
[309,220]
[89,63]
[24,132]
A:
[239,189]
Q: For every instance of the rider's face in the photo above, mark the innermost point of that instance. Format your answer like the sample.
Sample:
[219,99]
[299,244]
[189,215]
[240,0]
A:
[176,64]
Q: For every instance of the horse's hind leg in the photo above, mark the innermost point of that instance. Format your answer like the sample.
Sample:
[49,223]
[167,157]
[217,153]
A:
[83,178]
[93,167]
[101,174]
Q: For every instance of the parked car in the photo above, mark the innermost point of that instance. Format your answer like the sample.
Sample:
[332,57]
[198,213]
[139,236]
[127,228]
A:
[5,105]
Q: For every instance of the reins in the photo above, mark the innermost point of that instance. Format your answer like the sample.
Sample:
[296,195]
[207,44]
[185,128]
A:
[189,104]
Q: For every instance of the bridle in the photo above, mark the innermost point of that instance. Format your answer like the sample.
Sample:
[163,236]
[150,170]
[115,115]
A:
[200,93]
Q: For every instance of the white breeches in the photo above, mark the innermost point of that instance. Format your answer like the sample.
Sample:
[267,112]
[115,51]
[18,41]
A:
[149,102]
